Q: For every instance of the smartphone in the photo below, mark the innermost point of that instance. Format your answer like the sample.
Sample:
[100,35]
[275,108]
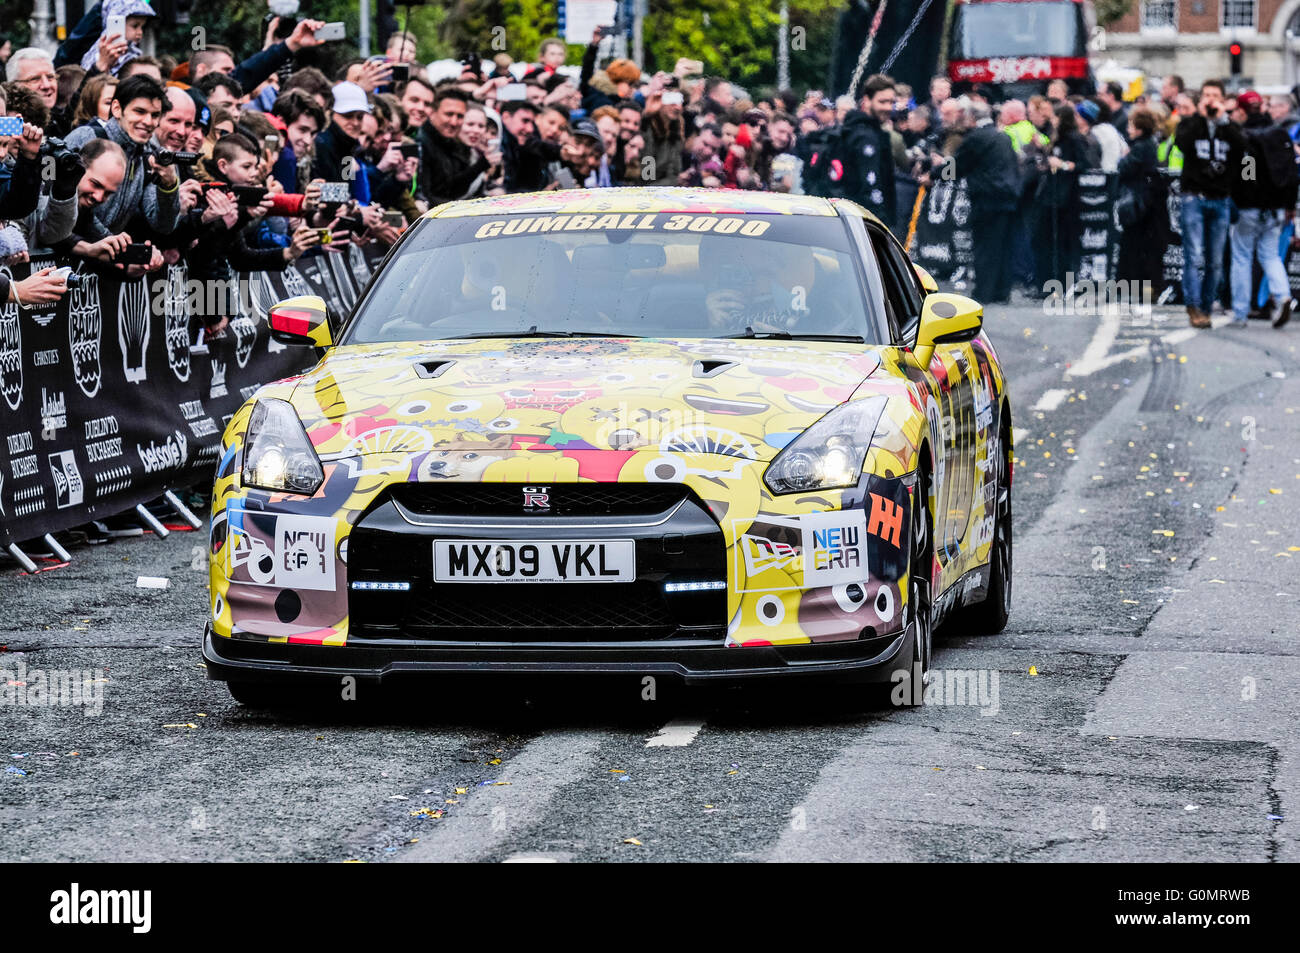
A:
[330,31]
[494,144]
[334,192]
[512,92]
[671,98]
[401,73]
[410,150]
[566,180]
[326,236]
[248,194]
[140,253]
[115,24]
[11,125]
[352,224]
[608,31]
[394,218]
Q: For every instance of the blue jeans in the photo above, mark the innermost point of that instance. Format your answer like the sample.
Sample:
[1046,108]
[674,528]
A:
[1205,232]
[1257,234]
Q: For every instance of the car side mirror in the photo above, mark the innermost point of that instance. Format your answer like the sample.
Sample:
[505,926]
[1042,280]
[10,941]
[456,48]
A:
[948,319]
[302,320]
[927,280]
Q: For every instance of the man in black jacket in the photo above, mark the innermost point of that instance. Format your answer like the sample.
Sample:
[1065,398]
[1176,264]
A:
[987,161]
[447,166]
[1212,151]
[868,157]
[1265,201]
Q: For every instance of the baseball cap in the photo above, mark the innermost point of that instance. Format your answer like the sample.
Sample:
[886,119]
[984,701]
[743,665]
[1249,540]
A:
[588,130]
[350,98]
[1249,99]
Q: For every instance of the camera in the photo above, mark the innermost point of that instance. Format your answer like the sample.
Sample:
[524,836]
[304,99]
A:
[472,61]
[67,162]
[73,280]
[284,28]
[167,157]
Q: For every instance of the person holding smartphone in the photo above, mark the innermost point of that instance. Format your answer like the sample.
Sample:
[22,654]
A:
[124,23]
[1212,149]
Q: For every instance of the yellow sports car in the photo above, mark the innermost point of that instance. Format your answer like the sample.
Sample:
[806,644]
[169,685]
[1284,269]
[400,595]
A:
[696,433]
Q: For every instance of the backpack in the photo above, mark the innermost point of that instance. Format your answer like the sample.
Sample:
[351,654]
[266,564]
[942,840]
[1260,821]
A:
[1277,176]
[828,169]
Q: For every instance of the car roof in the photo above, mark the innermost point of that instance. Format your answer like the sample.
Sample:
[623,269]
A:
[639,199]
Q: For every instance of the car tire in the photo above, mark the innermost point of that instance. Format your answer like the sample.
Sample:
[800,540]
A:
[920,604]
[990,616]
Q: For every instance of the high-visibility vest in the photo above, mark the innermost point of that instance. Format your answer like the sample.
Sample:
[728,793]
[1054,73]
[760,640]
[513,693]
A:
[1169,156]
[1023,132]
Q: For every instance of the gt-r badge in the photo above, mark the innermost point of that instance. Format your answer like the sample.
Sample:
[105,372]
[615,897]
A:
[537,498]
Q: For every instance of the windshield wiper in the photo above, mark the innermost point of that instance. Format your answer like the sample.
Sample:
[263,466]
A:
[534,333]
[787,336]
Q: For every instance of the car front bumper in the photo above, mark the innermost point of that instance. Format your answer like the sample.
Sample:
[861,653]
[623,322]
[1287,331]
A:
[705,662]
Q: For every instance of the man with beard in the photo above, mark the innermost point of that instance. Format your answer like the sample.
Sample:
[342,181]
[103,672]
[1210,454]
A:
[869,156]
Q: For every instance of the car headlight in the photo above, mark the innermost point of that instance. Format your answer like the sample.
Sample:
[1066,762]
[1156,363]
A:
[829,454]
[277,453]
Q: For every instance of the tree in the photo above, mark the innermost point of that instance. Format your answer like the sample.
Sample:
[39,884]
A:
[738,39]
[1108,11]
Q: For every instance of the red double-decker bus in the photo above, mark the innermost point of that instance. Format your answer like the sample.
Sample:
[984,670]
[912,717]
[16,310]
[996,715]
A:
[1019,46]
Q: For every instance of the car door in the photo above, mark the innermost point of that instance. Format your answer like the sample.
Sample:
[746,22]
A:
[949,377]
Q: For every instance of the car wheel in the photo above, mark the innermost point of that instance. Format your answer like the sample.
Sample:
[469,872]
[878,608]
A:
[990,616]
[918,584]
[905,693]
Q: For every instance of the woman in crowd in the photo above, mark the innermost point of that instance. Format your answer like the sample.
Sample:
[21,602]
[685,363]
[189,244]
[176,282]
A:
[1143,208]
[1058,201]
[96,99]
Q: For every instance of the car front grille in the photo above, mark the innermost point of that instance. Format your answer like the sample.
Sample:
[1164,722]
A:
[676,539]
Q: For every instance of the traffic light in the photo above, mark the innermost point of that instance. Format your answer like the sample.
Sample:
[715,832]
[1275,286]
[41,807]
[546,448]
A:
[1234,58]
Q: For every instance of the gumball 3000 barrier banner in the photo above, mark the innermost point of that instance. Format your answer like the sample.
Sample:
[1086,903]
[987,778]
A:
[113,395]
[944,242]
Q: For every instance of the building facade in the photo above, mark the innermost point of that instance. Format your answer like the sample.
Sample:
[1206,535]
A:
[1191,38]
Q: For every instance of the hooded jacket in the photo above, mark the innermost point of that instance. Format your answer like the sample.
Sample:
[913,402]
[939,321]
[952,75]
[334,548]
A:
[870,162]
[137,195]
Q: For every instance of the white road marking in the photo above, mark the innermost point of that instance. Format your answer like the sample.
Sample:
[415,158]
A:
[529,859]
[1051,399]
[495,813]
[1097,348]
[678,733]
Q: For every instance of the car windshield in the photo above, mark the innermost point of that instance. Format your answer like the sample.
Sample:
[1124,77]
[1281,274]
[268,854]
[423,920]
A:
[981,30]
[638,275]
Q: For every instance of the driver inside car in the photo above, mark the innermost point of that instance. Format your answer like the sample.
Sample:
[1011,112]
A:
[772,300]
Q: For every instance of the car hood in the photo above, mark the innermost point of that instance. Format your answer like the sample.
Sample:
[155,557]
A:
[735,397]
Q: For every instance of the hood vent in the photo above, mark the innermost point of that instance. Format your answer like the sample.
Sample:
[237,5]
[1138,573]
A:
[711,367]
[432,368]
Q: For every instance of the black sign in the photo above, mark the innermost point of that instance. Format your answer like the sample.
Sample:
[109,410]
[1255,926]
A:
[113,395]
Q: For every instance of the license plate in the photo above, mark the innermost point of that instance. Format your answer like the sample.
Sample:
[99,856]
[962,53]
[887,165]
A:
[517,560]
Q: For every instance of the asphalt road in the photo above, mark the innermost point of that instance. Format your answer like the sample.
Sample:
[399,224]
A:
[1145,687]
